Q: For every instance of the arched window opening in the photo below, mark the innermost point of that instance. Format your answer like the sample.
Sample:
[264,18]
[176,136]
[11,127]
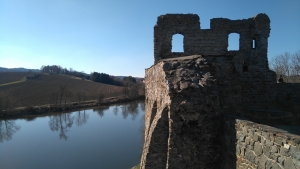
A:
[233,41]
[177,43]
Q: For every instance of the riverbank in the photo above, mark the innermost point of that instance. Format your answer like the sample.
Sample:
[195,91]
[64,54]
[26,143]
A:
[27,112]
[136,167]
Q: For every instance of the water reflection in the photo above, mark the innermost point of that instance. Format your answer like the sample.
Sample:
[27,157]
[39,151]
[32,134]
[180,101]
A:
[100,110]
[7,129]
[62,123]
[81,118]
[126,109]
[104,128]
[130,108]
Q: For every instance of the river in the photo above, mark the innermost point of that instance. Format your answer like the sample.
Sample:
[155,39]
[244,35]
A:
[98,138]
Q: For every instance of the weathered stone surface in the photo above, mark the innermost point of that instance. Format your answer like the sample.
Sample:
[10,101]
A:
[274,149]
[249,155]
[256,137]
[280,160]
[295,152]
[284,151]
[257,148]
[269,143]
[288,163]
[262,161]
[190,94]
[296,162]
[278,140]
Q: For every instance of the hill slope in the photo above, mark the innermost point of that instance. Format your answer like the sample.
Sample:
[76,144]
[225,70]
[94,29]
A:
[7,77]
[3,69]
[45,89]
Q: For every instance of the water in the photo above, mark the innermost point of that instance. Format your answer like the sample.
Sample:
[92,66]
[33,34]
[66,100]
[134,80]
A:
[101,138]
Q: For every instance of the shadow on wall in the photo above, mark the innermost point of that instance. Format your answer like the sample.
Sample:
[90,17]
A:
[229,150]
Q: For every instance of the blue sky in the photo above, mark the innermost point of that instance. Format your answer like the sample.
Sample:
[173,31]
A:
[116,36]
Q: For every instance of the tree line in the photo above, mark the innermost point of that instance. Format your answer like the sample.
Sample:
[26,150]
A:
[288,65]
[94,76]
[55,69]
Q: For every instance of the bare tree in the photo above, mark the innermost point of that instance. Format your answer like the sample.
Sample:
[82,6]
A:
[81,97]
[287,64]
[54,98]
[125,91]
[6,102]
[62,92]
[68,95]
[133,92]
[295,65]
[100,98]
[141,87]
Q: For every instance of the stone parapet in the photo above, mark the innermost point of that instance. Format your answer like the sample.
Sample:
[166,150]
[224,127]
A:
[263,146]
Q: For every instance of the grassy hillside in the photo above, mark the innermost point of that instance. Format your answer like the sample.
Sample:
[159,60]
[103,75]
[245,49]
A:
[46,88]
[7,77]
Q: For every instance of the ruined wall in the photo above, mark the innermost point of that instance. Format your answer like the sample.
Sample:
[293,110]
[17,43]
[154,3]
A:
[192,102]
[260,146]
[214,41]
[184,100]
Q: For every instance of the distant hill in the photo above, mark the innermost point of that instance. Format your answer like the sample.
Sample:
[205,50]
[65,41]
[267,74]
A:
[122,77]
[45,89]
[20,69]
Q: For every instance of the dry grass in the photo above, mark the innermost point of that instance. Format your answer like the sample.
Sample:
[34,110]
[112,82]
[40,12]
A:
[8,77]
[39,91]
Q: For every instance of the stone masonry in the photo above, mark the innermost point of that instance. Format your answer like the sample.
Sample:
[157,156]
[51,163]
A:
[196,100]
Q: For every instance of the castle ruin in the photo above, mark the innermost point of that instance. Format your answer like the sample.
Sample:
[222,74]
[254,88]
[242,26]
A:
[204,105]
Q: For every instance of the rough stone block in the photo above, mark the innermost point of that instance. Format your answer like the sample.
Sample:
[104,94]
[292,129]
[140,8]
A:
[295,152]
[242,138]
[276,166]
[274,149]
[296,162]
[257,148]
[250,147]
[266,151]
[269,143]
[280,160]
[266,135]
[262,161]
[249,155]
[252,142]
[284,151]
[274,156]
[247,140]
[278,140]
[288,163]
[255,137]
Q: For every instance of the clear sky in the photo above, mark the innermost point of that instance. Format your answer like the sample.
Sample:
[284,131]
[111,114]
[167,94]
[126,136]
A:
[116,36]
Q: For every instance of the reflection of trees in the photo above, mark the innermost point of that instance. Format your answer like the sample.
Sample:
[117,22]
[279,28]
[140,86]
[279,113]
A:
[116,110]
[130,108]
[81,118]
[100,110]
[7,129]
[61,123]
